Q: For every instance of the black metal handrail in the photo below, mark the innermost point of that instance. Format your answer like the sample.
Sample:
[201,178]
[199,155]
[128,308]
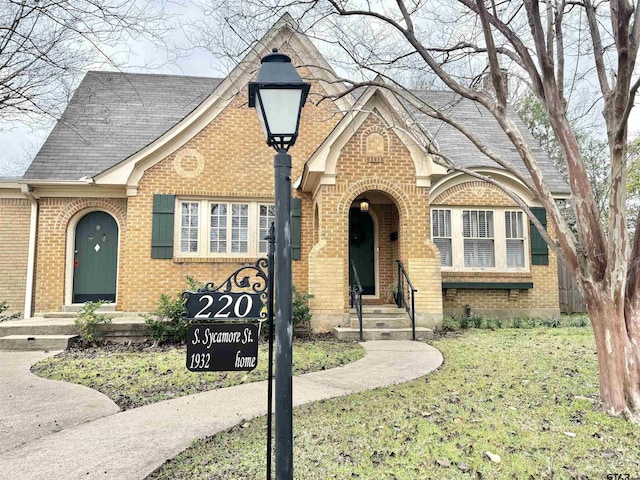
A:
[406,296]
[356,296]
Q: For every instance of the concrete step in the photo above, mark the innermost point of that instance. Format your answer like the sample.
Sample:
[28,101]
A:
[122,329]
[385,309]
[379,321]
[21,343]
[73,308]
[106,309]
[353,334]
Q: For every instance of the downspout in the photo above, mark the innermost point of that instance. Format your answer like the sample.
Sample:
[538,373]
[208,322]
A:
[31,260]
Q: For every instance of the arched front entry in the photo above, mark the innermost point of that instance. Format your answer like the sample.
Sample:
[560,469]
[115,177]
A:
[362,245]
[95,258]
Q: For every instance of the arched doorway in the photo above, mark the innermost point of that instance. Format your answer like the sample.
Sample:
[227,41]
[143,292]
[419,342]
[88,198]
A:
[362,250]
[95,258]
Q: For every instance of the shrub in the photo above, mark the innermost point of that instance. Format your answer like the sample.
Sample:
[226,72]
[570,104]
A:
[300,311]
[88,322]
[4,306]
[167,320]
[464,321]
[551,322]
[392,293]
[476,320]
[450,324]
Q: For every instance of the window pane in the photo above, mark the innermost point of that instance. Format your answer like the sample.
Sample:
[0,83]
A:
[515,253]
[477,224]
[189,226]
[444,245]
[218,230]
[267,216]
[479,253]
[239,227]
[514,226]
[441,223]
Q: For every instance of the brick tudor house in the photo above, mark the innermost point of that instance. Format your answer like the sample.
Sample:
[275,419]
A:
[149,178]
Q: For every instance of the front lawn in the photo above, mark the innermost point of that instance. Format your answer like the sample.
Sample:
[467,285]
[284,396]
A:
[506,404]
[133,377]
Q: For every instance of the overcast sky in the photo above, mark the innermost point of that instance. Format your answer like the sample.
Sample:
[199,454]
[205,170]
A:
[19,142]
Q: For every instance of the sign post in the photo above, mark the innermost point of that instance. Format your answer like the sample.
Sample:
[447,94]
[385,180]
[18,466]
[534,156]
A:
[227,342]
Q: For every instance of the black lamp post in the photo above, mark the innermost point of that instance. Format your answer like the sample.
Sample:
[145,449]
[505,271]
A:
[278,95]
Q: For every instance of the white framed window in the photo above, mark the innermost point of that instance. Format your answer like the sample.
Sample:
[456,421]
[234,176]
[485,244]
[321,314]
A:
[514,233]
[221,228]
[477,230]
[480,239]
[441,233]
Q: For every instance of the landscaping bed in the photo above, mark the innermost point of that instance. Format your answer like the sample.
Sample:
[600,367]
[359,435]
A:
[509,403]
[139,374]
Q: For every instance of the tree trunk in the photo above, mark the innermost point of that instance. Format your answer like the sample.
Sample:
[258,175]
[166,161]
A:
[618,356]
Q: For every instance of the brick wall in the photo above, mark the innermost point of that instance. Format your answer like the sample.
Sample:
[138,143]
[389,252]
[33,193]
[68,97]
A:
[15,216]
[229,169]
[390,175]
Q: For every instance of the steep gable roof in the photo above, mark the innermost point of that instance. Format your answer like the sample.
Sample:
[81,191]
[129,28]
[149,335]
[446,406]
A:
[482,123]
[111,116]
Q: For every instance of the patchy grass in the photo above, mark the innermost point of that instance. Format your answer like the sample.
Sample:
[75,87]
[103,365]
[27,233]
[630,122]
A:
[527,396]
[133,378]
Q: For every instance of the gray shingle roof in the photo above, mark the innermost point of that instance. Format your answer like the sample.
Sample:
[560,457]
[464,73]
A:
[460,149]
[111,116]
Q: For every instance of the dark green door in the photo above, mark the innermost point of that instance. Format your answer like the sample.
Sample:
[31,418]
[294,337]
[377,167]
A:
[361,250]
[96,258]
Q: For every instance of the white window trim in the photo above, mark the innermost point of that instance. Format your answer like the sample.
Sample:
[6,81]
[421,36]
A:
[499,236]
[204,215]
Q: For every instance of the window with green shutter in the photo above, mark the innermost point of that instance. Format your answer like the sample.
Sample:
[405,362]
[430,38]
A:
[539,248]
[162,228]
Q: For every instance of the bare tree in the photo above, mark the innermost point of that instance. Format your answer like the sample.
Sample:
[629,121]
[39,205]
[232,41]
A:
[558,48]
[45,45]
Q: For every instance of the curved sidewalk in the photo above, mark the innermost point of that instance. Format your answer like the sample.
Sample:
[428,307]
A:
[133,443]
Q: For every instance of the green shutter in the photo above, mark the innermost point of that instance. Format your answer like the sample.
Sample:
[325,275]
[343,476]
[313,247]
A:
[539,248]
[296,214]
[162,229]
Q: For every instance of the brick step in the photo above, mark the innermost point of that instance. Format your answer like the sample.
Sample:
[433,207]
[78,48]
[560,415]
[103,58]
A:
[22,343]
[353,334]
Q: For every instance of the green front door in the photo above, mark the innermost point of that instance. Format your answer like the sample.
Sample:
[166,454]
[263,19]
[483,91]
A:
[361,250]
[96,258]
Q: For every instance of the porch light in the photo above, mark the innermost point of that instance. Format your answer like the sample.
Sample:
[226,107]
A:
[364,205]
[278,95]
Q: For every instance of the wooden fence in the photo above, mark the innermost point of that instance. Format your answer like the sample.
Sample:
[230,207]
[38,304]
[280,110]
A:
[570,298]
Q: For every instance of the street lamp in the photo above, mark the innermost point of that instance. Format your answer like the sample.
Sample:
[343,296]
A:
[278,95]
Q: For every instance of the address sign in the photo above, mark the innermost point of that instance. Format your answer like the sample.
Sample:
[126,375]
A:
[217,347]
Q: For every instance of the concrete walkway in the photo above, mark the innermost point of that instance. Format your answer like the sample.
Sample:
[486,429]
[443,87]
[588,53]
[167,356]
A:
[131,444]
